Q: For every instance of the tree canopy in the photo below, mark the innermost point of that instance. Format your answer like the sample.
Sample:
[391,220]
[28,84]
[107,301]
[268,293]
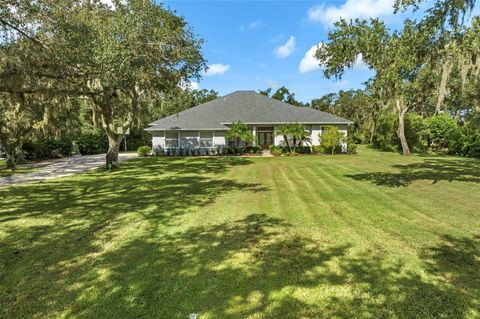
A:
[121,60]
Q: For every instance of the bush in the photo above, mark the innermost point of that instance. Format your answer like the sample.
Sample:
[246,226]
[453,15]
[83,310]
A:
[158,151]
[47,146]
[386,137]
[253,149]
[92,140]
[275,150]
[304,150]
[137,137]
[317,149]
[330,140]
[144,151]
[441,132]
[352,148]
[467,142]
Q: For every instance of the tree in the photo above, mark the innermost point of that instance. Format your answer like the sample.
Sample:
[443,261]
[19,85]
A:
[445,22]
[282,94]
[330,139]
[397,59]
[239,132]
[140,50]
[120,59]
[296,132]
[325,103]
[179,99]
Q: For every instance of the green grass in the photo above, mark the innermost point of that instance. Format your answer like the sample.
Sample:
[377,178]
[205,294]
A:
[4,172]
[375,235]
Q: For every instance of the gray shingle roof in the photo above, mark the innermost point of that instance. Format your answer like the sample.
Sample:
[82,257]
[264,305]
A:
[248,107]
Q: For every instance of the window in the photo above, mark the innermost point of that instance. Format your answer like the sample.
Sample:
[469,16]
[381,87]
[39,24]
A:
[265,129]
[189,139]
[206,139]
[171,139]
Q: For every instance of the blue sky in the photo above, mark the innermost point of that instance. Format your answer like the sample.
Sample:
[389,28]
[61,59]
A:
[252,45]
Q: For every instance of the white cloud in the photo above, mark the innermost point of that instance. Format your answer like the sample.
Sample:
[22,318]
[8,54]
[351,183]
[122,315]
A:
[217,69]
[189,85]
[309,62]
[272,84]
[341,83]
[286,49]
[359,64]
[351,9]
[194,85]
[257,24]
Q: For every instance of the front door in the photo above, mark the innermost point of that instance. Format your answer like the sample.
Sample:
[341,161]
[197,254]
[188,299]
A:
[265,139]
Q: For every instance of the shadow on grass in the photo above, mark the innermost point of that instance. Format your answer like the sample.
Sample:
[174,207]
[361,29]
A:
[448,288]
[78,260]
[435,170]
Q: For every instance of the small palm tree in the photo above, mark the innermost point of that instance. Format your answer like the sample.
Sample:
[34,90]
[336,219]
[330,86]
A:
[240,132]
[284,130]
[296,131]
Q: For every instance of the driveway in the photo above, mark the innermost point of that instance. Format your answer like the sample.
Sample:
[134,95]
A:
[59,168]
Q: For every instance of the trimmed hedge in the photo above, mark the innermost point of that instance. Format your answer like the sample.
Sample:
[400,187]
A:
[144,151]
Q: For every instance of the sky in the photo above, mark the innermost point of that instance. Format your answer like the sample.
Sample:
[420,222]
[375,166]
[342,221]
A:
[253,45]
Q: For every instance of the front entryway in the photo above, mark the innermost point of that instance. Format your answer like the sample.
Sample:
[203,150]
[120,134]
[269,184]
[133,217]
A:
[264,137]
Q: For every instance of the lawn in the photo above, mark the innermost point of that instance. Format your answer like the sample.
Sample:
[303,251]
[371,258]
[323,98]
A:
[4,172]
[375,235]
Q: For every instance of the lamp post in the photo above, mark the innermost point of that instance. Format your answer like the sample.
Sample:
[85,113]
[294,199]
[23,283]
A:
[119,131]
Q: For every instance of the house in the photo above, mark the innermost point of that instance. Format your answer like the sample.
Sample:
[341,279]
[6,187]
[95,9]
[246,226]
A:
[205,125]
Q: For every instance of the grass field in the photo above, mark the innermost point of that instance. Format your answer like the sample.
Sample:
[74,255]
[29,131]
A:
[375,235]
[4,172]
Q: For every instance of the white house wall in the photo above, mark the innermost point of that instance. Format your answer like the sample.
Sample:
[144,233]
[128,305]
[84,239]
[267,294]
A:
[189,139]
[219,138]
[158,139]
[192,138]
[316,130]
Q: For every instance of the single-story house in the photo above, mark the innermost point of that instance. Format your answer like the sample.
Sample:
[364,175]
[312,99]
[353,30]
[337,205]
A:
[205,125]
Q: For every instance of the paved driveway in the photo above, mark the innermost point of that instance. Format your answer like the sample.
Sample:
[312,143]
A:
[60,167]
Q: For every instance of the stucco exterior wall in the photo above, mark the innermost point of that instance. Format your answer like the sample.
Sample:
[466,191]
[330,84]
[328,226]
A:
[219,138]
[191,138]
[158,139]
[188,139]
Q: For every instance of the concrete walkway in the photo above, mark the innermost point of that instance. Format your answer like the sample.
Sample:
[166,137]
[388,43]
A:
[266,153]
[60,167]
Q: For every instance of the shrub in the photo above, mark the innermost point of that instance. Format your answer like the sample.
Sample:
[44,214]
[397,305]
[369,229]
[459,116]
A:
[92,141]
[304,150]
[158,151]
[351,145]
[275,150]
[414,128]
[317,149]
[467,142]
[386,137]
[352,148]
[137,137]
[144,151]
[330,139]
[45,146]
[441,132]
[253,149]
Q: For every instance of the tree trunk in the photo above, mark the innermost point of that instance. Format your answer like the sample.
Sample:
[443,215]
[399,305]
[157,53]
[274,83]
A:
[113,150]
[294,144]
[401,133]
[10,161]
[373,129]
[287,143]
